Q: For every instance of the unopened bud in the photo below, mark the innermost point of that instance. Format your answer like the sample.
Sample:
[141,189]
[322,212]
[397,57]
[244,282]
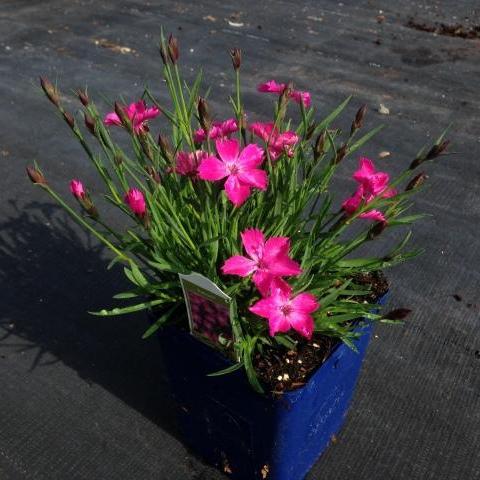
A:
[163,54]
[50,91]
[154,175]
[69,119]
[341,152]
[165,147]
[118,158]
[416,181]
[310,131]
[434,152]
[89,123]
[437,150]
[146,147]
[83,97]
[358,121]
[204,115]
[236,55]
[120,111]
[318,149]
[376,230]
[36,175]
[173,51]
[89,207]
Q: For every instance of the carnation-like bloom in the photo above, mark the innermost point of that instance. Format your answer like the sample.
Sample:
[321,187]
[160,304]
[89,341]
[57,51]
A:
[298,96]
[218,130]
[268,261]
[284,312]
[277,143]
[77,189]
[187,163]
[136,201]
[372,184]
[137,113]
[240,168]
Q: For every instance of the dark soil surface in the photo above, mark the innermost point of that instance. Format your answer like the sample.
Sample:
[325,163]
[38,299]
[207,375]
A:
[281,369]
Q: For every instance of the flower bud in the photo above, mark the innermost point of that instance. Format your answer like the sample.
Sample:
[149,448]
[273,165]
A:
[318,149]
[136,201]
[89,123]
[376,230]
[118,158]
[416,181]
[36,175]
[83,97]
[122,115]
[341,152]
[437,150]
[173,51]
[310,131]
[50,91]
[146,147]
[204,115]
[154,175]
[163,54]
[236,55]
[358,121]
[77,189]
[434,152]
[165,147]
[69,119]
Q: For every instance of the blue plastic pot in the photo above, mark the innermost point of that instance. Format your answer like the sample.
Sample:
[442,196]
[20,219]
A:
[247,435]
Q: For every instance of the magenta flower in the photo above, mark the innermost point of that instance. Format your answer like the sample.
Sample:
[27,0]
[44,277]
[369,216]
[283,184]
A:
[136,201]
[284,312]
[271,87]
[277,143]
[268,261]
[240,168]
[372,184]
[187,163]
[298,96]
[138,114]
[218,130]
[77,189]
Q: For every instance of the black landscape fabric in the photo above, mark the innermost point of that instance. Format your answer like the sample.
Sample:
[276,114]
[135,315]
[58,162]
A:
[83,397]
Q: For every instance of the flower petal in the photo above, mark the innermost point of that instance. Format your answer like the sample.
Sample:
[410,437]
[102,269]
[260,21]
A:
[264,307]
[253,241]
[228,149]
[283,266]
[304,303]
[236,191]
[250,157]
[373,215]
[263,282]
[212,169]
[366,168]
[302,323]
[271,87]
[112,119]
[254,177]
[238,265]
[276,246]
[278,323]
[267,283]
[350,205]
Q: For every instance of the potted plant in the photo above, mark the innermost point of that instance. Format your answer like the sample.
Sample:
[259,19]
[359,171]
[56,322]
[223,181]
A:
[245,259]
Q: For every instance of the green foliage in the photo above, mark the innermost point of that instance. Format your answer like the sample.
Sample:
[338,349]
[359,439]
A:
[192,227]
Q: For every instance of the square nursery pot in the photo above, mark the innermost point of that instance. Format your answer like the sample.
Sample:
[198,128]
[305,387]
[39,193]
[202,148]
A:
[249,436]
